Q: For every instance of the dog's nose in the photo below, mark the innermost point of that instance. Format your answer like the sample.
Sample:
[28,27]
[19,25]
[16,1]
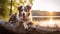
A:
[23,14]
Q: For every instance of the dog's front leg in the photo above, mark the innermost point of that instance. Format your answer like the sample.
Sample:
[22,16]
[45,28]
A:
[25,25]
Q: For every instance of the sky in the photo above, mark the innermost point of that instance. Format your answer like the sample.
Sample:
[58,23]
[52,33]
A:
[48,5]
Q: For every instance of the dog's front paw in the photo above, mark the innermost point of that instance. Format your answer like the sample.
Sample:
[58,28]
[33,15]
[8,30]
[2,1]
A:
[30,23]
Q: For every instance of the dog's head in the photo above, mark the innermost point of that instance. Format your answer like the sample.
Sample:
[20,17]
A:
[24,10]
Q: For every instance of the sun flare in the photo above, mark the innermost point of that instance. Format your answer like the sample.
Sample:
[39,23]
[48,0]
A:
[48,23]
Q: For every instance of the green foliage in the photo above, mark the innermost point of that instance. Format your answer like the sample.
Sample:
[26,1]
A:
[4,10]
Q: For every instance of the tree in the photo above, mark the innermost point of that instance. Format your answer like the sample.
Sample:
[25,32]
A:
[4,10]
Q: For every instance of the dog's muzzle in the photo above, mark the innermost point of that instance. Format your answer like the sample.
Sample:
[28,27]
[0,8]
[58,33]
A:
[23,15]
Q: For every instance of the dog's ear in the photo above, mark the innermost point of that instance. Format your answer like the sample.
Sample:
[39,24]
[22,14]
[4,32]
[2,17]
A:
[19,8]
[28,7]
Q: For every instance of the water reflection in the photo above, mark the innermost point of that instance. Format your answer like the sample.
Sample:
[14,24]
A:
[47,22]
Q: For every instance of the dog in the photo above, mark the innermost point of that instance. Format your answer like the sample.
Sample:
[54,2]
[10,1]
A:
[23,17]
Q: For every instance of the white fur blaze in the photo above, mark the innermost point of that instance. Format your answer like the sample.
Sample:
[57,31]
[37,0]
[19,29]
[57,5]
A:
[25,25]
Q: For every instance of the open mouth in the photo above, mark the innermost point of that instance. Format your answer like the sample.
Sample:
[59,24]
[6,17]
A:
[23,17]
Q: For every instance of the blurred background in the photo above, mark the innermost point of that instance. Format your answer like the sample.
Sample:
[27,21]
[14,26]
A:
[41,9]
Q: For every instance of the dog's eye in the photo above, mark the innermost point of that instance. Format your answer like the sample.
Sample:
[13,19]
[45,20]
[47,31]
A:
[21,10]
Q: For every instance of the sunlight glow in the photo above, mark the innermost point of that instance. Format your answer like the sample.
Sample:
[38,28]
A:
[48,5]
[49,23]
[17,1]
[12,7]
